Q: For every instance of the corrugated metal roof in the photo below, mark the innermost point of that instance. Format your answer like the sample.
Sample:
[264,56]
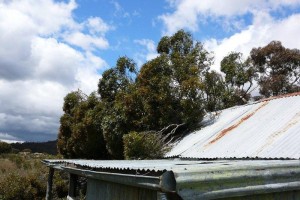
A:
[122,165]
[196,179]
[175,165]
[265,129]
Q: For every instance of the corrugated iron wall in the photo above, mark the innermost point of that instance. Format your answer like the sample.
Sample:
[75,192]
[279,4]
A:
[103,190]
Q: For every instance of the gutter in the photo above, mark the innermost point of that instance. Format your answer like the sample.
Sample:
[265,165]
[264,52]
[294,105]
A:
[237,181]
[163,183]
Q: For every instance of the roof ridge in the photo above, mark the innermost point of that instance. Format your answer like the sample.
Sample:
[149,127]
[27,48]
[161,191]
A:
[262,100]
[281,96]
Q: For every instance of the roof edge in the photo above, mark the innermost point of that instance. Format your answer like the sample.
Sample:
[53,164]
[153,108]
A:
[148,182]
[233,181]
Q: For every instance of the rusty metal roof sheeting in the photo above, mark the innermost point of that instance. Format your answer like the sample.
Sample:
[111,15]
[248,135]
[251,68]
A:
[265,129]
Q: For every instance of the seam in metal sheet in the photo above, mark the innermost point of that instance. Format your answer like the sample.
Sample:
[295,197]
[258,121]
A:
[276,134]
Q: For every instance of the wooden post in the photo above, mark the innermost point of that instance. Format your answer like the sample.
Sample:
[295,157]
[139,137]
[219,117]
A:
[49,184]
[72,185]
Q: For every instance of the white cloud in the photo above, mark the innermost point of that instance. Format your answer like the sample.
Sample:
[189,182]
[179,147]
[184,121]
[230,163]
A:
[86,41]
[87,76]
[149,53]
[38,68]
[97,26]
[188,13]
[119,10]
[32,97]
[9,138]
[45,17]
[54,61]
[121,13]
[32,106]
[94,39]
[263,30]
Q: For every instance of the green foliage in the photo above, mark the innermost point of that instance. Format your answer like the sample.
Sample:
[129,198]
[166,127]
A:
[5,147]
[116,79]
[232,90]
[15,186]
[114,128]
[61,186]
[239,76]
[172,90]
[278,69]
[25,177]
[80,135]
[155,94]
[214,88]
[114,85]
[171,85]
[144,145]
[237,72]
[167,90]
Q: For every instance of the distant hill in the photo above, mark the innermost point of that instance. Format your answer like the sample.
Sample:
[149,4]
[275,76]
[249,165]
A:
[37,147]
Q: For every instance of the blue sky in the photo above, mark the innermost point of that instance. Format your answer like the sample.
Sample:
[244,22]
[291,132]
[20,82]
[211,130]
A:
[49,48]
[131,22]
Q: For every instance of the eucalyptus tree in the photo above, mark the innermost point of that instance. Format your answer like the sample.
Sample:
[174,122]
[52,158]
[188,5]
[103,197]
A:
[239,79]
[80,135]
[115,84]
[278,68]
[187,61]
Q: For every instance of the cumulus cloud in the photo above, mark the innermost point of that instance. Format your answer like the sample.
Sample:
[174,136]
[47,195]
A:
[263,30]
[93,39]
[266,22]
[44,17]
[85,41]
[149,52]
[97,26]
[9,139]
[188,13]
[39,65]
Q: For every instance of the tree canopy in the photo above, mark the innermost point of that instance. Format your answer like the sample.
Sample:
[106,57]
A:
[278,69]
[80,134]
[167,97]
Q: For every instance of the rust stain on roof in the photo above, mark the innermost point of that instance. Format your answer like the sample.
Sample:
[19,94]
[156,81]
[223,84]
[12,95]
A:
[295,119]
[227,130]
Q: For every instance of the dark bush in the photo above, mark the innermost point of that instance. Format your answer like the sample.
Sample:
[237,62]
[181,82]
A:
[61,188]
[5,147]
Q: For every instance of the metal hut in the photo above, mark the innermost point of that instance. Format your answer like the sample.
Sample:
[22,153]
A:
[244,152]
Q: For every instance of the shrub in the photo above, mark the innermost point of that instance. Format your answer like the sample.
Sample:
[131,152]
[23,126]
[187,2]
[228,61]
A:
[16,186]
[5,147]
[13,150]
[61,188]
[27,150]
[17,159]
[25,177]
[144,145]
